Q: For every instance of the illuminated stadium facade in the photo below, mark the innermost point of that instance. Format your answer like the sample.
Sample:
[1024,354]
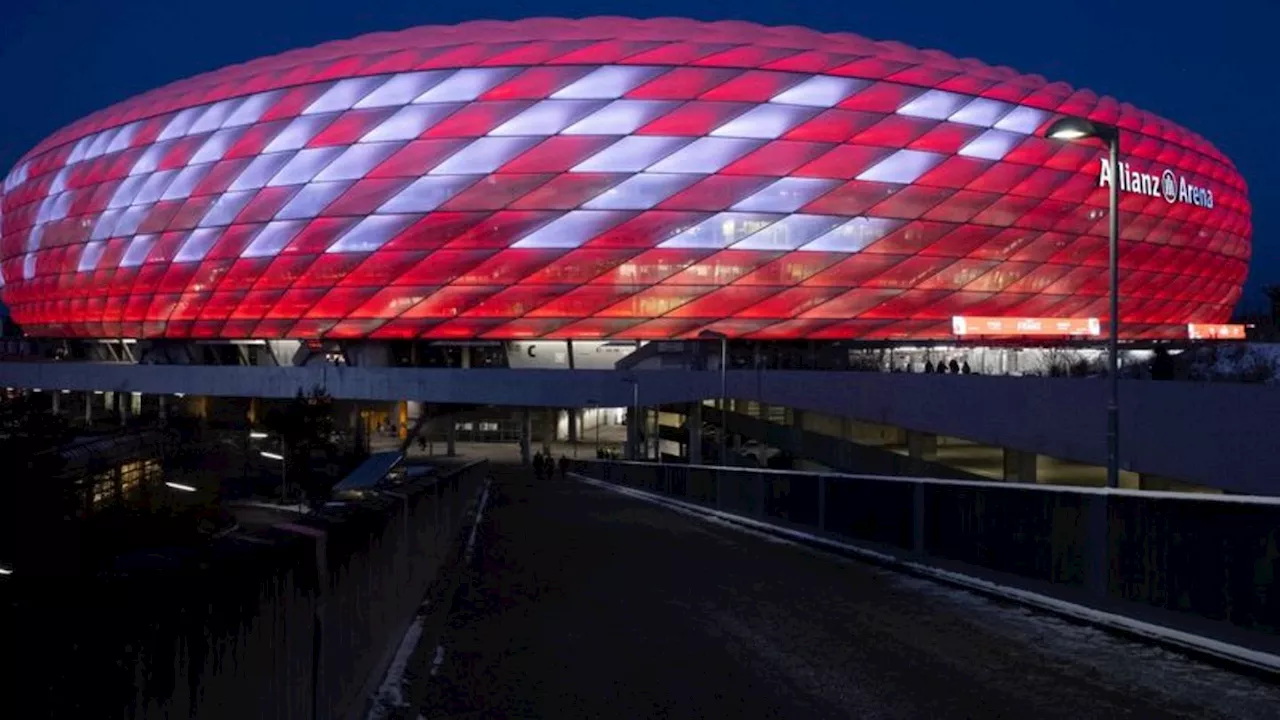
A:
[610,179]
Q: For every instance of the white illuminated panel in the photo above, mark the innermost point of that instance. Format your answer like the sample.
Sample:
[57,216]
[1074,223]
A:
[1023,120]
[214,116]
[607,83]
[124,137]
[641,192]
[197,245]
[426,194]
[154,187]
[992,145]
[150,158]
[304,166]
[180,124]
[786,195]
[934,104]
[706,155]
[402,89]
[721,231]
[465,85]
[620,117]
[821,91]
[106,223]
[101,143]
[130,219]
[226,208]
[572,229]
[547,117]
[298,133]
[260,171]
[126,191]
[137,251]
[981,112]
[90,256]
[186,181]
[904,166]
[216,146]
[764,121]
[484,155]
[371,233]
[357,161]
[631,154]
[853,236]
[311,200]
[789,233]
[272,239]
[343,95]
[252,109]
[29,266]
[409,122]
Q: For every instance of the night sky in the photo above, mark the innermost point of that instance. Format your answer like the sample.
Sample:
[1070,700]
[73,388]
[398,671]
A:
[1209,66]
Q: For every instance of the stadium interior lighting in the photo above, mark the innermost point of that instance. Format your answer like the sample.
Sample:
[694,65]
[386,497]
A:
[271,455]
[180,486]
[257,435]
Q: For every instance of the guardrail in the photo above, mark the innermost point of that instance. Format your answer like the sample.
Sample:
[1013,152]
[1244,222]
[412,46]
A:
[1204,564]
[288,622]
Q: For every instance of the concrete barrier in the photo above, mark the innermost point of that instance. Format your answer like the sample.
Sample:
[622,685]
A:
[1199,564]
[289,622]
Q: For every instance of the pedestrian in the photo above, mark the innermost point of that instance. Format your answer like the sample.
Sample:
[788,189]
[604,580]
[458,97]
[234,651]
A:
[537,465]
[564,468]
[955,367]
[965,368]
[928,366]
[422,442]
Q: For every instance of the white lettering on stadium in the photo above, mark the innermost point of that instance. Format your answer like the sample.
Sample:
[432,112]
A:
[1168,185]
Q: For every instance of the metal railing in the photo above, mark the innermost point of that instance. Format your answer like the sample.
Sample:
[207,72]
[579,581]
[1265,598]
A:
[1203,563]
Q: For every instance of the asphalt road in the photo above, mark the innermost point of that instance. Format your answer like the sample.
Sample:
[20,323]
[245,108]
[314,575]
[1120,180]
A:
[583,603]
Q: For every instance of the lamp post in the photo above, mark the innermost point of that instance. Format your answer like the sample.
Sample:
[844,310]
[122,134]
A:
[1075,128]
[723,402]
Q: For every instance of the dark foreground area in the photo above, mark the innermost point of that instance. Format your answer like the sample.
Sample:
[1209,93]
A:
[581,602]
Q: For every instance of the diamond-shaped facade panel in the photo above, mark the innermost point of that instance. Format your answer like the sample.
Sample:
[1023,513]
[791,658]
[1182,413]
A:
[609,177]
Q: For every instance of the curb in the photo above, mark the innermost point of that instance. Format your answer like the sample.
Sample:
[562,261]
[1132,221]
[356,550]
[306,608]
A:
[1261,665]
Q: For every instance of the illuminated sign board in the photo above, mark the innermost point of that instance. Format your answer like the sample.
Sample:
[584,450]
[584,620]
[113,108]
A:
[1200,331]
[1010,326]
[1168,185]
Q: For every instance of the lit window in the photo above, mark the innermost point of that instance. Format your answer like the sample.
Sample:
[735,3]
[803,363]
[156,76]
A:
[903,167]
[571,230]
[786,195]
[196,245]
[853,236]
[991,145]
[312,200]
[343,95]
[820,91]
[298,133]
[357,161]
[272,239]
[401,89]
[304,166]
[252,109]
[764,121]
[641,192]
[484,155]
[721,230]
[409,122]
[186,181]
[137,251]
[260,170]
[90,256]
[371,233]
[426,194]
[631,154]
[465,85]
[935,104]
[790,232]
[620,117]
[1023,120]
[706,155]
[607,83]
[981,112]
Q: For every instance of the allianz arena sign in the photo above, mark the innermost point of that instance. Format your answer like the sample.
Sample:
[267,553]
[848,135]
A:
[1173,187]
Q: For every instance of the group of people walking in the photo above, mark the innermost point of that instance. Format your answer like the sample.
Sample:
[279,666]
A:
[954,367]
[544,468]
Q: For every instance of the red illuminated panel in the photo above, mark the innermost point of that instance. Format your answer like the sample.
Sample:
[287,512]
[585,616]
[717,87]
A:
[612,178]
[1024,327]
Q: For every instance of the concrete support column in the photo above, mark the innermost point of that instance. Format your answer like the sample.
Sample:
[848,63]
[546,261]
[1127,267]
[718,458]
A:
[451,437]
[466,356]
[88,408]
[1019,466]
[548,430]
[135,403]
[526,436]
[797,434]
[922,445]
[573,425]
[57,402]
[634,423]
[693,424]
[161,408]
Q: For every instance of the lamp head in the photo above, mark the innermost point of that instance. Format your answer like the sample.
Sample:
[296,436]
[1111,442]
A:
[1078,128]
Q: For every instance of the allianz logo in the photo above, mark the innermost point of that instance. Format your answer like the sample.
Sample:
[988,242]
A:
[1168,185]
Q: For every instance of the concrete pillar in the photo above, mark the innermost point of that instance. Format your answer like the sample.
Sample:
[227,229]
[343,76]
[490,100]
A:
[693,423]
[797,433]
[1020,466]
[573,425]
[57,402]
[526,436]
[466,356]
[88,408]
[922,445]
[634,423]
[548,430]
[161,406]
[135,403]
[451,437]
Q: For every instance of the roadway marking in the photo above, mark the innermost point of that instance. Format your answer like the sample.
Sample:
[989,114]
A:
[1256,661]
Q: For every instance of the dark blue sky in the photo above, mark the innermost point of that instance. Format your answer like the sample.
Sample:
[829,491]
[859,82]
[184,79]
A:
[1209,66]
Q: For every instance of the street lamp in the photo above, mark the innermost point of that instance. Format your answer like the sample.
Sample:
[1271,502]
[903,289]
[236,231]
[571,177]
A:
[723,401]
[1076,128]
[284,471]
